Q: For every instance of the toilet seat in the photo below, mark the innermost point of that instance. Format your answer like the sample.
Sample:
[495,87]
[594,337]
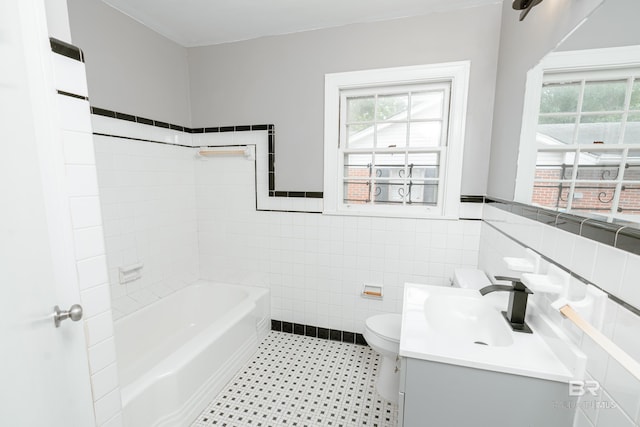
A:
[385,326]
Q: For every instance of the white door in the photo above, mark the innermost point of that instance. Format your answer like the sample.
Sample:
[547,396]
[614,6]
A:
[44,374]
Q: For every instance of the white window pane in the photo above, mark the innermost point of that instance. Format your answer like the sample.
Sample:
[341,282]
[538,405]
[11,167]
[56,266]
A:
[556,129]
[632,170]
[392,107]
[409,192]
[598,165]
[423,165]
[559,97]
[360,135]
[391,135]
[596,198]
[388,193]
[426,134]
[427,105]
[600,128]
[604,96]
[632,129]
[630,199]
[419,159]
[423,193]
[361,109]
[550,195]
[390,171]
[554,165]
[357,165]
[635,96]
[357,192]
[390,158]
[390,165]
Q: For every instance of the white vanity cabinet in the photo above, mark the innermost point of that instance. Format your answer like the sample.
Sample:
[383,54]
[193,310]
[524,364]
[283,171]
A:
[462,364]
[434,394]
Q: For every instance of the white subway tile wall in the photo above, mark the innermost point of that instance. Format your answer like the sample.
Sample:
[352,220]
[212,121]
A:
[84,209]
[69,75]
[616,271]
[108,407]
[316,265]
[186,217]
[147,192]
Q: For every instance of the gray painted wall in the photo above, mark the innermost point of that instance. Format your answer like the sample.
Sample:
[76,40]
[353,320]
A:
[522,46]
[280,80]
[130,68]
[613,24]
[58,19]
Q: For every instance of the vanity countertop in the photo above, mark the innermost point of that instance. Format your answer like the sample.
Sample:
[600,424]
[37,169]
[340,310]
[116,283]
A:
[546,353]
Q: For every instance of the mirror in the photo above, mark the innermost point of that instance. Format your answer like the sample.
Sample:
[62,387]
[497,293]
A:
[580,150]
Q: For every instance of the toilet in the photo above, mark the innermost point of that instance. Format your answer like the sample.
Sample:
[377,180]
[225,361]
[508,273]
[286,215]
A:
[382,333]
[469,278]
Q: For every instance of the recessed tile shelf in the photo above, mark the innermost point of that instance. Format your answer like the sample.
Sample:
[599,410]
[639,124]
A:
[317,332]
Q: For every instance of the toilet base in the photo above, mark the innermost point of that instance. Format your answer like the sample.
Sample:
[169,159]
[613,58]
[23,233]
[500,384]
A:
[388,382]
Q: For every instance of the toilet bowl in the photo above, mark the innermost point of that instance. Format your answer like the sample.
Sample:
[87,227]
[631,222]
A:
[382,333]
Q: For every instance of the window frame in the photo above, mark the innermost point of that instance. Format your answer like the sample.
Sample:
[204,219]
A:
[454,73]
[560,66]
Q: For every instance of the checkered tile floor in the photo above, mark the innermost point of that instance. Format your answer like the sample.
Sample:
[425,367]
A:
[294,380]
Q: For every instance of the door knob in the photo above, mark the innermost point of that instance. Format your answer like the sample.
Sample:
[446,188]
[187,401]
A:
[74,313]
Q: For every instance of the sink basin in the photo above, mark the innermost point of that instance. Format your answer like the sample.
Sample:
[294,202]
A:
[468,319]
[460,327]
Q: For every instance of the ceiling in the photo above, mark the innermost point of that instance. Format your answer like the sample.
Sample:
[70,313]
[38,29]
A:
[203,22]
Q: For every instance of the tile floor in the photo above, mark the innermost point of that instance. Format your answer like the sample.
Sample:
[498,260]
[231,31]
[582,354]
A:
[294,380]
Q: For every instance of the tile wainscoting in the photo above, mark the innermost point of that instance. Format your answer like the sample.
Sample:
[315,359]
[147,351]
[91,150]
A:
[612,269]
[314,264]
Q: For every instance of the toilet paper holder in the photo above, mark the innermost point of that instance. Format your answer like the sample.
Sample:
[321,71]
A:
[371,291]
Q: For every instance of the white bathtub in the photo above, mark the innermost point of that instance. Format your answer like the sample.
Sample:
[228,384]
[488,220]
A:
[175,355]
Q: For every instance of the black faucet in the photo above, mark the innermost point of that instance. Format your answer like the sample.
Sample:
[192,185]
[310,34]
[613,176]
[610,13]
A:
[517,302]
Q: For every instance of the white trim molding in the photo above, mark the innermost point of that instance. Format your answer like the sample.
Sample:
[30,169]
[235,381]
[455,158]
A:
[457,73]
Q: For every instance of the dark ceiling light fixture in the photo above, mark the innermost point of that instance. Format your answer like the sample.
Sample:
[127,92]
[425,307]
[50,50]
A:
[525,6]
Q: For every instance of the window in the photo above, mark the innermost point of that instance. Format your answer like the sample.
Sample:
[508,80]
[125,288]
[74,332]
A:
[580,143]
[393,141]
[587,141]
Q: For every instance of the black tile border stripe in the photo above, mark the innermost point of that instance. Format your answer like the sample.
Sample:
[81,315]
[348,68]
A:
[142,140]
[241,128]
[614,298]
[158,123]
[270,128]
[66,49]
[472,199]
[317,332]
[621,235]
[72,95]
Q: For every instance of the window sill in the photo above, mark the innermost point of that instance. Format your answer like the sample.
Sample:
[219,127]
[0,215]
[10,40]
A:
[404,215]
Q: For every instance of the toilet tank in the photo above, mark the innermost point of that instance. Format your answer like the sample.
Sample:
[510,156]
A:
[470,278]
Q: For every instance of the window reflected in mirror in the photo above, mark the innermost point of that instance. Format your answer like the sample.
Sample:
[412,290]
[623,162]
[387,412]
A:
[588,142]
